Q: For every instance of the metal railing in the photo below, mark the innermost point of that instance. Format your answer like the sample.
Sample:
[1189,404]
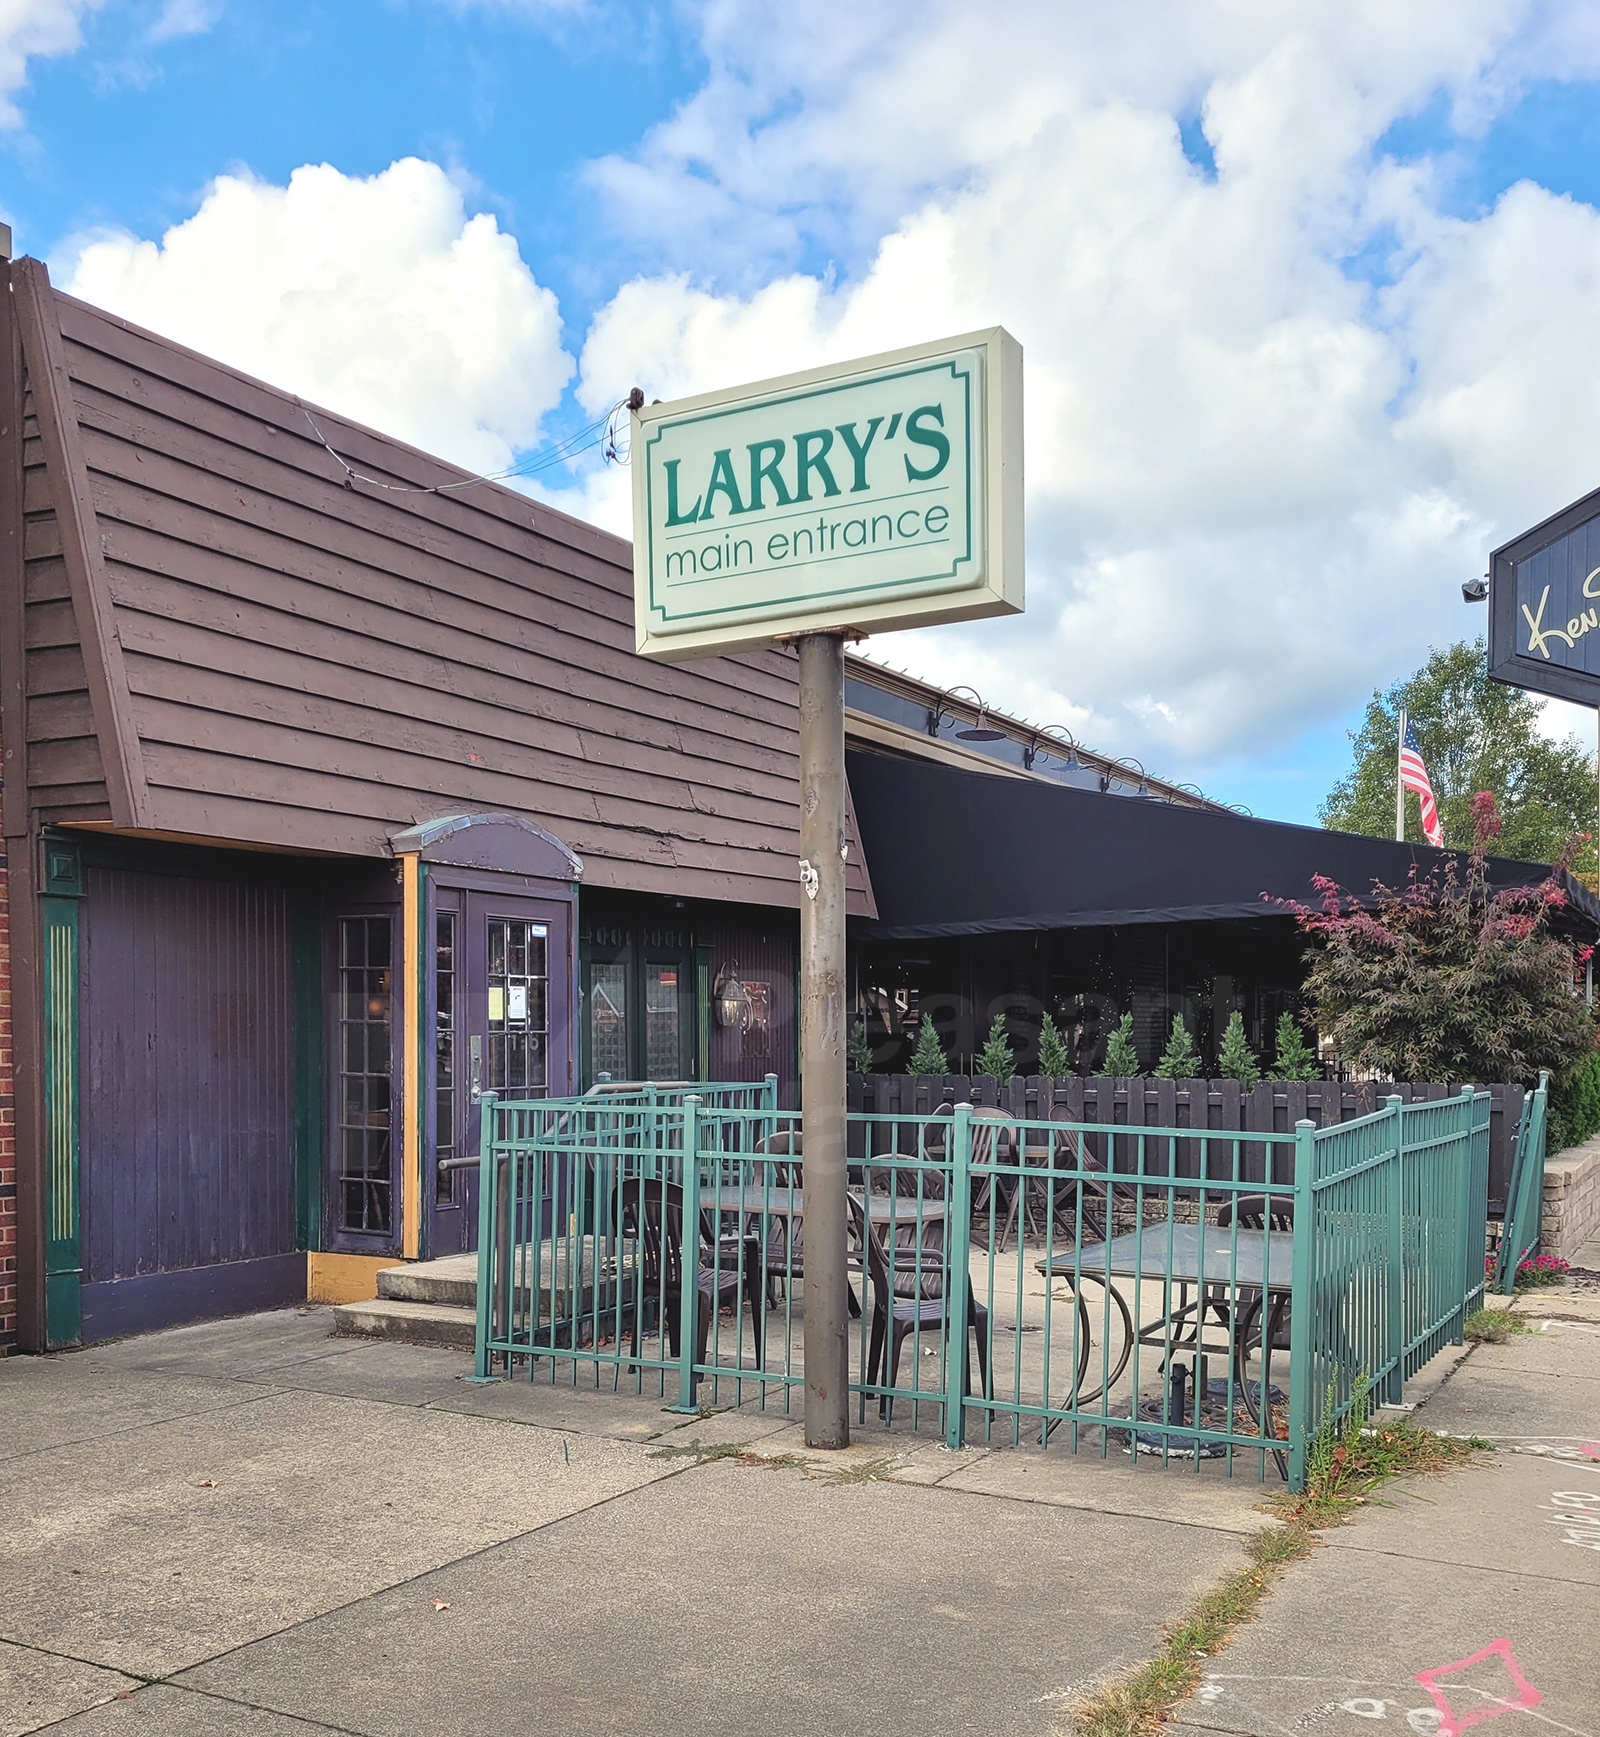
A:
[1177,1294]
[1519,1235]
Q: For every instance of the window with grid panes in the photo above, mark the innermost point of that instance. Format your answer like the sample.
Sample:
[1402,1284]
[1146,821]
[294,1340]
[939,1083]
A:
[365,1170]
[518,1009]
[444,1048]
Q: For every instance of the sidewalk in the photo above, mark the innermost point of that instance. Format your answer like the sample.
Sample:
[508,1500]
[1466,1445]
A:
[289,1532]
[255,1528]
[1472,1598]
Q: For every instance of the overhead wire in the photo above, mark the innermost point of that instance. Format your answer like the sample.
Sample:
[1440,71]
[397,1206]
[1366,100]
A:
[597,433]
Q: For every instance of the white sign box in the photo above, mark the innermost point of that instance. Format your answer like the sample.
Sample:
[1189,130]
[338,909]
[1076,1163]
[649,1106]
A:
[876,494]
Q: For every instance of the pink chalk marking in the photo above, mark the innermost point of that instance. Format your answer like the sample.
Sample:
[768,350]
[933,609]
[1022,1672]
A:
[1590,1450]
[1452,1726]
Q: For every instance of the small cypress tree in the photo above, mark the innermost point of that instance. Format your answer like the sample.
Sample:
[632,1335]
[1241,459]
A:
[1294,1060]
[1122,1058]
[1236,1060]
[1054,1062]
[1180,1060]
[928,1057]
[858,1052]
[996,1058]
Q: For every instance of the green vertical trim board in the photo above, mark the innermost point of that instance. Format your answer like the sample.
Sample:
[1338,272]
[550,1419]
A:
[63,1247]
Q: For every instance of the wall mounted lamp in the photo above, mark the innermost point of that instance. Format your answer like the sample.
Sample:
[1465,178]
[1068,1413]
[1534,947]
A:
[732,1000]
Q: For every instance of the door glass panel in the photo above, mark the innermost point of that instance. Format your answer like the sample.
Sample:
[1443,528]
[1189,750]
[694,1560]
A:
[444,1051]
[661,1024]
[608,1019]
[365,1185]
[517,1008]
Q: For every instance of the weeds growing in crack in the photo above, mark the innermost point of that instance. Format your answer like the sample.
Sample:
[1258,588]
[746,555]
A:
[1345,1464]
[1494,1326]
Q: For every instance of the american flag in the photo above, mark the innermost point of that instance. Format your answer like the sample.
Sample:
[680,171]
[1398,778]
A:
[1414,776]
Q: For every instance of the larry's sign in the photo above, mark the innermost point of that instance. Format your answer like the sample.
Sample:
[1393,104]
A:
[877,494]
[1544,606]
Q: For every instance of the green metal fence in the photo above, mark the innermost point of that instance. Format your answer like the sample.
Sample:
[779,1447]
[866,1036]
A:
[1519,1235]
[1180,1295]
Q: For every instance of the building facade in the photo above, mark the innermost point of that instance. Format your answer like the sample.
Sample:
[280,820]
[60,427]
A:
[335,795]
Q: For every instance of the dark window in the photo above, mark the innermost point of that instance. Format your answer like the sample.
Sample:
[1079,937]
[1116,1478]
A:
[608,1018]
[662,998]
[365,1181]
[444,1049]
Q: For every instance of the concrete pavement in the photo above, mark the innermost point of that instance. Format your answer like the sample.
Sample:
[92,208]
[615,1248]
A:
[253,1527]
[1466,1598]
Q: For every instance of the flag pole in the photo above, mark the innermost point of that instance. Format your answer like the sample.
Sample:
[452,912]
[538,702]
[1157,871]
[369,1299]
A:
[1399,788]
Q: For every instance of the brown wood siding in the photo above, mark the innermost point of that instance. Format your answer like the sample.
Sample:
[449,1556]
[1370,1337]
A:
[66,780]
[313,665]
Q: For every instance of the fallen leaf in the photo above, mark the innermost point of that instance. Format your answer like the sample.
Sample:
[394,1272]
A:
[441,1604]
[126,1695]
[206,1484]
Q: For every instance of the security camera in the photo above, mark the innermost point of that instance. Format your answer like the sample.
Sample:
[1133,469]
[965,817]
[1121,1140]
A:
[1475,590]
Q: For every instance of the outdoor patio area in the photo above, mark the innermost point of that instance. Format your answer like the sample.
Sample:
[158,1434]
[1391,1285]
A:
[1100,1289]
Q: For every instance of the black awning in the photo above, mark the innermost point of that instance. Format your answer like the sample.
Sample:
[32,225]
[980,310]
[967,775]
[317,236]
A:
[963,853]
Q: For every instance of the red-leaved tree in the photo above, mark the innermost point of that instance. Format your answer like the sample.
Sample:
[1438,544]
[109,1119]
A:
[1445,979]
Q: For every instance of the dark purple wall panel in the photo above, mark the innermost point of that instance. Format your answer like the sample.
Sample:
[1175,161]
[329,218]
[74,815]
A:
[156,1300]
[766,964]
[187,1073]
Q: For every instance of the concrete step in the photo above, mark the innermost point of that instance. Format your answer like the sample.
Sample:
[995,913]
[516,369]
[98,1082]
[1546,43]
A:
[452,1280]
[416,1323]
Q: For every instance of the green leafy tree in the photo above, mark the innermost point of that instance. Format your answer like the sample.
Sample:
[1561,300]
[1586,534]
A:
[1475,735]
[1054,1061]
[928,1057]
[1122,1059]
[996,1059]
[1575,1106]
[1295,1059]
[1444,980]
[858,1052]
[1180,1060]
[1236,1060]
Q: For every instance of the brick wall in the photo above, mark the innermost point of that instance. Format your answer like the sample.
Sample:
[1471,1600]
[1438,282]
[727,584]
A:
[1571,1205]
[8,1135]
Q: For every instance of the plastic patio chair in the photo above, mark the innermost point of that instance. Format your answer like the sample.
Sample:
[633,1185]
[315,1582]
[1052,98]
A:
[910,1296]
[784,1250]
[652,1212]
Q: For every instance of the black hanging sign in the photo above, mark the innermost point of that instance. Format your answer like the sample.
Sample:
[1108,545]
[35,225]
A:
[1544,606]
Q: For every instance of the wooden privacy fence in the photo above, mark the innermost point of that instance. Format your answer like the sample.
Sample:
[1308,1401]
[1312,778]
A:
[1273,1107]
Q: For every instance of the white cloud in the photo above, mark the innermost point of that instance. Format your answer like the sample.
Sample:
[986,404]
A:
[178,18]
[30,28]
[1255,483]
[379,297]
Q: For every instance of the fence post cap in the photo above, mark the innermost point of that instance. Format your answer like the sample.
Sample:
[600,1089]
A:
[1306,1122]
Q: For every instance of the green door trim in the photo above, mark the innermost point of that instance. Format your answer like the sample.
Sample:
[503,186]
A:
[63,1235]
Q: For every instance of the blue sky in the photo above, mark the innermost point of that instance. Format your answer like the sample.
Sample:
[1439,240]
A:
[1295,364]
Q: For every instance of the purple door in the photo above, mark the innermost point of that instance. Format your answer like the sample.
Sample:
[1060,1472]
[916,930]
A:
[501,1004]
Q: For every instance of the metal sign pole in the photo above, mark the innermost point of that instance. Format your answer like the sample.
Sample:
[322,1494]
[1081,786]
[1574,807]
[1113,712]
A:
[822,1036]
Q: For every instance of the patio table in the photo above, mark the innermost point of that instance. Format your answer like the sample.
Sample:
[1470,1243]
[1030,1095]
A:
[1213,1259]
[763,1201]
